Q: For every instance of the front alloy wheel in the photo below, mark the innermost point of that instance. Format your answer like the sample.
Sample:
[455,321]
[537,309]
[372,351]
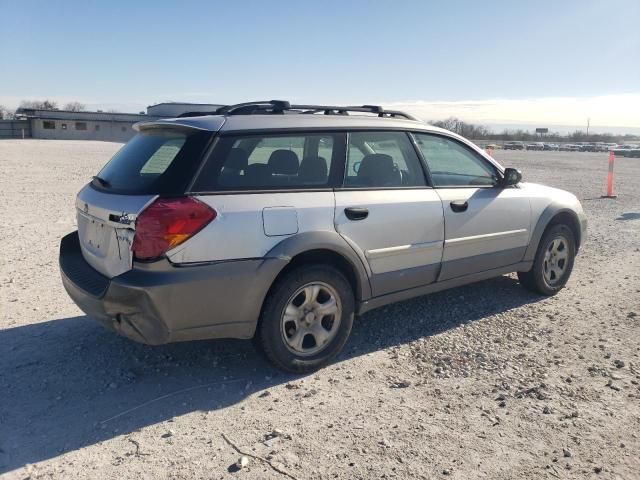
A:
[556,258]
[553,262]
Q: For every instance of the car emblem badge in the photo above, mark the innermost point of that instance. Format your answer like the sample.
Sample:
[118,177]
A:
[125,218]
[86,208]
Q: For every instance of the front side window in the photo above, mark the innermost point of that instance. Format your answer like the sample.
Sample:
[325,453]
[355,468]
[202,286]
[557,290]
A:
[382,159]
[453,165]
[268,162]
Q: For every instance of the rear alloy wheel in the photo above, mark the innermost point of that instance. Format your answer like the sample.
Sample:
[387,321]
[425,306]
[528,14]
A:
[553,262]
[306,319]
[311,318]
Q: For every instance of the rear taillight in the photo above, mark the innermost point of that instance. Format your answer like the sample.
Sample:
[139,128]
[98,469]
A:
[168,222]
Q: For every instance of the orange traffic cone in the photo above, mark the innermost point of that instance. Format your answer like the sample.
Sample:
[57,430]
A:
[612,159]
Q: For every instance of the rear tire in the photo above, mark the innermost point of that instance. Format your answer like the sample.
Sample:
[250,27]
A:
[306,319]
[553,262]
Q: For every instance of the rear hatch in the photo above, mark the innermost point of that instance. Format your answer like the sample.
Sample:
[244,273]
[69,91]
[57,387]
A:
[160,161]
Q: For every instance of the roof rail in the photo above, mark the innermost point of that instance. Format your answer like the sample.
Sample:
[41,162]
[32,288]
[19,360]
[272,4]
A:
[282,106]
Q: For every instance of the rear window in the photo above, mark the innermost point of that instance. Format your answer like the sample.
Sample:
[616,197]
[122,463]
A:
[159,161]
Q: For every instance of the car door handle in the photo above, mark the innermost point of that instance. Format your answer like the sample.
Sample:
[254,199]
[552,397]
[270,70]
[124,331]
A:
[356,213]
[459,206]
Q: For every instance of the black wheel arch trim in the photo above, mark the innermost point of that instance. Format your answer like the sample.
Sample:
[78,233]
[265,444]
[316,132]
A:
[305,242]
[545,219]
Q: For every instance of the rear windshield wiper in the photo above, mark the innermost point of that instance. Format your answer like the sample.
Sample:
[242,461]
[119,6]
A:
[101,181]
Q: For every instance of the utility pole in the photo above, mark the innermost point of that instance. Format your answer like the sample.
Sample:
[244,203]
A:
[588,123]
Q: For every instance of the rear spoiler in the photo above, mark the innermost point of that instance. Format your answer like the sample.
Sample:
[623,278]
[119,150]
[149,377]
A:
[211,124]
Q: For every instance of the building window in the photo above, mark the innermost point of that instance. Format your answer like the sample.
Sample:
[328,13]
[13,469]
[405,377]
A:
[64,126]
[97,128]
[48,125]
[124,129]
[81,125]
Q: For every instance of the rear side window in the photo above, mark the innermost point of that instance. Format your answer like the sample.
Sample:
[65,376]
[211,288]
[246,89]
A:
[271,162]
[160,161]
[382,159]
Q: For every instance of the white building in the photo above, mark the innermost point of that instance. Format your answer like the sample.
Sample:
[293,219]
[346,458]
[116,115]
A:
[66,125]
[110,127]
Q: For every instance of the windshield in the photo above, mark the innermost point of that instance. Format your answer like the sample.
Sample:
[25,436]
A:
[159,161]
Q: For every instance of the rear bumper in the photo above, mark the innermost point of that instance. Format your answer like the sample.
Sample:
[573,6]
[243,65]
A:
[160,302]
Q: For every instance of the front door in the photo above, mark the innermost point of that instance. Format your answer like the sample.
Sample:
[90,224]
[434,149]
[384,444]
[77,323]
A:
[388,214]
[486,226]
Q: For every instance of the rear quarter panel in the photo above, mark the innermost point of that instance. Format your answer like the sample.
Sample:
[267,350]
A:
[250,225]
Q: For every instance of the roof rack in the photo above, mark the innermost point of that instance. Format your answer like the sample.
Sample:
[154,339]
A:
[267,107]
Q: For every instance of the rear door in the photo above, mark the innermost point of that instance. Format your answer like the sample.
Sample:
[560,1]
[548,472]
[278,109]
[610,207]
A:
[159,160]
[486,226]
[388,213]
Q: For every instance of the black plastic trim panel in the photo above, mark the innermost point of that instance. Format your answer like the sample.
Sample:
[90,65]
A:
[78,270]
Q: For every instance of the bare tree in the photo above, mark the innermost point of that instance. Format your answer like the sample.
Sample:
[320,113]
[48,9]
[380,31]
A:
[75,107]
[39,104]
[468,130]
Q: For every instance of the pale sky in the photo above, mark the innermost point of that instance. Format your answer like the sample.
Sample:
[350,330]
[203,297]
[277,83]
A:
[538,63]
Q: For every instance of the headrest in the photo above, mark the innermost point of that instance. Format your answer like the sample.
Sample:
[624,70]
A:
[284,162]
[378,169]
[313,169]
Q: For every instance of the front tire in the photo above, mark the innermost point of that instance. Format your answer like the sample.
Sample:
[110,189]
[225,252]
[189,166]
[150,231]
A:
[306,319]
[553,262]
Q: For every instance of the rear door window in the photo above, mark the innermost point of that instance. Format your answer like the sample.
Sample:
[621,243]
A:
[272,162]
[159,161]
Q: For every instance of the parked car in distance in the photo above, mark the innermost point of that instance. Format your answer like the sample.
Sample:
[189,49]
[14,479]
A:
[513,146]
[535,146]
[601,147]
[594,147]
[281,222]
[582,146]
[493,146]
[623,150]
[551,146]
[610,146]
[633,153]
[570,147]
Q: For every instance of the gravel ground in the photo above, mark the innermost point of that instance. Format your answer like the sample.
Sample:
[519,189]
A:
[484,381]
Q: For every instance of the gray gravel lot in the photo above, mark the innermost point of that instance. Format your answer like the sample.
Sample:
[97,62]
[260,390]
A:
[484,381]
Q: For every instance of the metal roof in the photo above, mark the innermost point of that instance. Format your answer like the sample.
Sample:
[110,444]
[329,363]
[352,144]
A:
[223,123]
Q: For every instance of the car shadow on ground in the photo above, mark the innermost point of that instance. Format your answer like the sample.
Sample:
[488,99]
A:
[68,383]
[629,216]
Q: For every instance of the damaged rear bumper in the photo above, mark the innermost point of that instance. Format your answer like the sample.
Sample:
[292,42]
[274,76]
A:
[157,303]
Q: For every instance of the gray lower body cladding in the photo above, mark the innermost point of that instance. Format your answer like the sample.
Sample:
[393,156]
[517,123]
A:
[159,302]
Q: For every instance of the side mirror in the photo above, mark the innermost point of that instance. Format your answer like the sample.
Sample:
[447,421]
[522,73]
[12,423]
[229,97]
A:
[512,176]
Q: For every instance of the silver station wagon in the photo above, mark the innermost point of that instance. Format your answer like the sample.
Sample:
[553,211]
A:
[281,222]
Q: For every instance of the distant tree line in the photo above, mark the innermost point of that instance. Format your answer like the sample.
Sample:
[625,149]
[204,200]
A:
[7,114]
[480,132]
